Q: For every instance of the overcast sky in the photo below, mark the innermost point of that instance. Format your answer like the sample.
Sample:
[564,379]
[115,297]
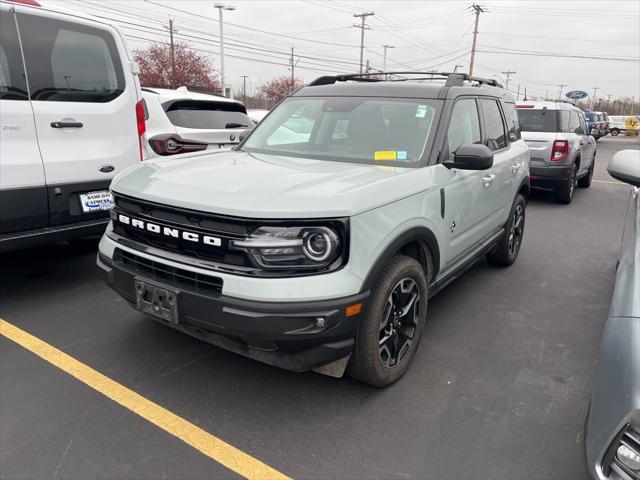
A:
[426,34]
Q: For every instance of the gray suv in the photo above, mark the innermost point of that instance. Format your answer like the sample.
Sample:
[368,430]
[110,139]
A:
[562,152]
[319,250]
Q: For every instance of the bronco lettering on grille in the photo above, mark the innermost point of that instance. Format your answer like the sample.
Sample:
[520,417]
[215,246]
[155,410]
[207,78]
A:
[169,231]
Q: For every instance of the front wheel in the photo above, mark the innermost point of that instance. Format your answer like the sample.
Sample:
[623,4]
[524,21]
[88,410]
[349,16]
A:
[614,132]
[391,329]
[506,251]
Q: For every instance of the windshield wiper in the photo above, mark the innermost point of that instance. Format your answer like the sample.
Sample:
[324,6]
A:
[235,125]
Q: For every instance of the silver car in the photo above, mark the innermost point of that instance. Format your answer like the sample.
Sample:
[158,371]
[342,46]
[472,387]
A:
[562,151]
[612,428]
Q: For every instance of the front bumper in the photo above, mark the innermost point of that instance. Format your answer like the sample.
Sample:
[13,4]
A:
[549,177]
[296,336]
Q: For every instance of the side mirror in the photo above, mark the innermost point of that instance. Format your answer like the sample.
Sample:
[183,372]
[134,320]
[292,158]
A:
[625,166]
[244,134]
[471,157]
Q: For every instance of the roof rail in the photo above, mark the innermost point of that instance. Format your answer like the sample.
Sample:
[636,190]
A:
[452,79]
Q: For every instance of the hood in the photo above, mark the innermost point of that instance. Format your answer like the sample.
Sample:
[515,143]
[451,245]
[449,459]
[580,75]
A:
[267,186]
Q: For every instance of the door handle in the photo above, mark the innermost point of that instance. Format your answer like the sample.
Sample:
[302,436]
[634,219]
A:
[515,167]
[66,124]
[488,180]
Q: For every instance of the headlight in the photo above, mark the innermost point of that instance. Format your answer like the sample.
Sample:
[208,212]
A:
[294,248]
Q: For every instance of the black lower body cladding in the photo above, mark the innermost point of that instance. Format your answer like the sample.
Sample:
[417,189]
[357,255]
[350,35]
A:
[296,336]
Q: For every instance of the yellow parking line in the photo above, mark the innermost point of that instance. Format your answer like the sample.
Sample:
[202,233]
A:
[220,451]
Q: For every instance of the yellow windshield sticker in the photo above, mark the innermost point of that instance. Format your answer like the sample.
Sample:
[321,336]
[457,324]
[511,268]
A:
[385,155]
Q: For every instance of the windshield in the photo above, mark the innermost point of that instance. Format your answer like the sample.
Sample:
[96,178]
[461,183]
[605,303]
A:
[348,129]
[538,120]
[589,116]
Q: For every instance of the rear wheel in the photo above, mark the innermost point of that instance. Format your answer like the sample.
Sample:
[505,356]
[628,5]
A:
[391,329]
[615,132]
[564,194]
[585,182]
[506,251]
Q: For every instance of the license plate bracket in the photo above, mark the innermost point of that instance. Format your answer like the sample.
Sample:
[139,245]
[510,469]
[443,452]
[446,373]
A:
[96,201]
[157,301]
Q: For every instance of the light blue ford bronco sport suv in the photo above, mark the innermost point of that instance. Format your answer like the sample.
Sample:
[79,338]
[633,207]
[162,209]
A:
[316,244]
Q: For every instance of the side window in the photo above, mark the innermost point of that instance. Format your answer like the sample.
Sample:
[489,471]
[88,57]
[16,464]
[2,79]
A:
[564,121]
[13,84]
[583,124]
[68,62]
[513,125]
[496,137]
[464,127]
[574,124]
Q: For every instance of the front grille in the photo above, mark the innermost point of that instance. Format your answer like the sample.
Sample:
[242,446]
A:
[630,438]
[199,222]
[166,274]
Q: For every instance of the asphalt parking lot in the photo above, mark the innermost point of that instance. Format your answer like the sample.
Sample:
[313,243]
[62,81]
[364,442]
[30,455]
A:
[498,389]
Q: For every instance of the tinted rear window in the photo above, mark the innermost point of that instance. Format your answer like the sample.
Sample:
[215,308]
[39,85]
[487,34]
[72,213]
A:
[537,120]
[68,62]
[206,115]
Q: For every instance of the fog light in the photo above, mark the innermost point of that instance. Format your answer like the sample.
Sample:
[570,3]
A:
[320,322]
[628,457]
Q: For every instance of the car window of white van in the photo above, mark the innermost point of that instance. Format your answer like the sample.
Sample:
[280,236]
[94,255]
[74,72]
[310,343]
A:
[13,85]
[68,62]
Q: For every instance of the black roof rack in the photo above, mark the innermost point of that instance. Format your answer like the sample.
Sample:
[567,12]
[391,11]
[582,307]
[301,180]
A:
[452,79]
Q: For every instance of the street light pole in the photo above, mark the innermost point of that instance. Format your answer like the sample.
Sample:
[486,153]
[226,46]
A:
[221,6]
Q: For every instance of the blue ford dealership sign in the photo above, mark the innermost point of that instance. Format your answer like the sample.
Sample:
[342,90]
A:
[576,94]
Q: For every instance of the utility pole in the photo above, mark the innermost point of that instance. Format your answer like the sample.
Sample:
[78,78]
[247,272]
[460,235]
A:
[595,90]
[244,88]
[366,69]
[518,94]
[363,26]
[172,54]
[293,66]
[384,57]
[525,95]
[562,85]
[478,10]
[508,73]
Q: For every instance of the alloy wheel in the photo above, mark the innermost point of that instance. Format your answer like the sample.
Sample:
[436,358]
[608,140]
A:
[517,229]
[399,322]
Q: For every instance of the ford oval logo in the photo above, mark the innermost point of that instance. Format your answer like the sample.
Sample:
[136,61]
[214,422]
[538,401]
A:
[232,137]
[107,169]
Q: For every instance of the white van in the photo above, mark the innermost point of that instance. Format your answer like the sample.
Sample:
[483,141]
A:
[71,117]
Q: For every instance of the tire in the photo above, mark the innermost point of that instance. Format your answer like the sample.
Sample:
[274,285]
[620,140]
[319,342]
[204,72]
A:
[372,363]
[565,193]
[585,182]
[507,249]
[614,132]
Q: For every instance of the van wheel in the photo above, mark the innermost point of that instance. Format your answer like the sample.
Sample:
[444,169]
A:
[614,132]
[506,251]
[392,326]
[585,182]
[564,194]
